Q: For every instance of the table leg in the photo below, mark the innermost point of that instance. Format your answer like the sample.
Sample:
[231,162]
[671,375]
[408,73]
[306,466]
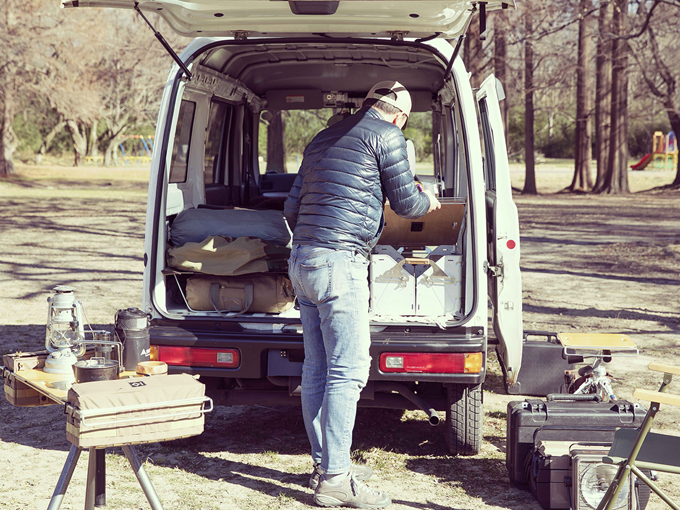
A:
[142,477]
[100,478]
[89,484]
[64,478]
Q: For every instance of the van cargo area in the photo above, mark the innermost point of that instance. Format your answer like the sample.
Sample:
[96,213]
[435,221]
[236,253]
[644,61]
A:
[216,249]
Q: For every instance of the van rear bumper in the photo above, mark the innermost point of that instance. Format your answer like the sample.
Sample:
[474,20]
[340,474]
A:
[280,354]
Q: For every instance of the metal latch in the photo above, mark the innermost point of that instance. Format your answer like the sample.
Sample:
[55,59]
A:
[397,36]
[241,35]
[496,271]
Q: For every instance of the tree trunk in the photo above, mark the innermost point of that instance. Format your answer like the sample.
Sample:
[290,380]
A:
[79,142]
[582,180]
[602,93]
[471,52]
[674,118]
[530,173]
[47,141]
[500,55]
[616,178]
[8,139]
[276,151]
[93,150]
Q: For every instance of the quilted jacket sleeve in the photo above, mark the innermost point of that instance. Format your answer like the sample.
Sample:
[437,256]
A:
[292,205]
[397,180]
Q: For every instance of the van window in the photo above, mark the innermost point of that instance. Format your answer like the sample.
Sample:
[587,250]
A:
[419,131]
[297,128]
[180,147]
[218,121]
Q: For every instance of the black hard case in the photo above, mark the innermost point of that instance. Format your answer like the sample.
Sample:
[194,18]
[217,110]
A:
[543,366]
[562,421]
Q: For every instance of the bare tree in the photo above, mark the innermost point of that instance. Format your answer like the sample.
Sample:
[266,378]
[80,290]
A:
[602,92]
[583,180]
[616,178]
[659,69]
[530,172]
[8,70]
[500,56]
[276,151]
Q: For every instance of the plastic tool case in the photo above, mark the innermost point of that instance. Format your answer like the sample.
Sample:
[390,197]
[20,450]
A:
[135,410]
[533,420]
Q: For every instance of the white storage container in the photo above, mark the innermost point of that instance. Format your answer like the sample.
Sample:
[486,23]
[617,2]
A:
[439,290]
[393,289]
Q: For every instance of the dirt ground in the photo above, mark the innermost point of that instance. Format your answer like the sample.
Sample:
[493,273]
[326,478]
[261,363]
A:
[590,263]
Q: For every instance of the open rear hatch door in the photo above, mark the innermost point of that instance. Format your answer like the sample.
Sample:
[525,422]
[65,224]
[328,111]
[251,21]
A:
[505,280]
[280,18]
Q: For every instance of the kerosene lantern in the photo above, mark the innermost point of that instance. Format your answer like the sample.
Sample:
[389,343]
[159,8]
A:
[65,335]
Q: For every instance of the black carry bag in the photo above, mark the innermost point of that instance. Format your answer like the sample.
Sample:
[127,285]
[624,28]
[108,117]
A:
[562,420]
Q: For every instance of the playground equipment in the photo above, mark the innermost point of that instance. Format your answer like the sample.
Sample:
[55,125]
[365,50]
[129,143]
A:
[664,149]
[144,149]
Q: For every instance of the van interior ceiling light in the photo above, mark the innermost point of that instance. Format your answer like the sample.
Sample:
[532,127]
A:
[165,44]
[64,335]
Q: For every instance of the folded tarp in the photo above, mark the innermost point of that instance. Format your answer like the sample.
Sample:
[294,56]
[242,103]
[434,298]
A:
[225,256]
[196,225]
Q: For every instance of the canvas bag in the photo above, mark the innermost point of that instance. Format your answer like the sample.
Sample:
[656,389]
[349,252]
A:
[227,256]
[259,292]
[135,410]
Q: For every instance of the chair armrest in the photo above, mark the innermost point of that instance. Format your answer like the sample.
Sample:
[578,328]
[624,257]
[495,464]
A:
[655,396]
[660,367]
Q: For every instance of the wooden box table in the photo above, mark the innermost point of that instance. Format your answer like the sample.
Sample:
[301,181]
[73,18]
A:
[26,384]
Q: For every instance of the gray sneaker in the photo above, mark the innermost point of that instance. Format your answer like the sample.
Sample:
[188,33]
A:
[360,472]
[349,492]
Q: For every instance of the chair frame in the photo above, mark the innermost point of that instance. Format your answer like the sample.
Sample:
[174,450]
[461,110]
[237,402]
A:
[631,464]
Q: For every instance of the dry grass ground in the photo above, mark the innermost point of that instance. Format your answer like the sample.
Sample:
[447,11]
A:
[590,263]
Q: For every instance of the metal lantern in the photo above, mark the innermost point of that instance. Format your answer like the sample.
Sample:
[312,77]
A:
[65,333]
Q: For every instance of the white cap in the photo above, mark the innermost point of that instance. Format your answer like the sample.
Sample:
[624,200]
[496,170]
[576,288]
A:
[403,100]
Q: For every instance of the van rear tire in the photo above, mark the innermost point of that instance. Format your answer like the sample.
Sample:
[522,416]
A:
[464,419]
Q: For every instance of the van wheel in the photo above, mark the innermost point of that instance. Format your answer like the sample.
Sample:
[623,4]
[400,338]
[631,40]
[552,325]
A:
[464,419]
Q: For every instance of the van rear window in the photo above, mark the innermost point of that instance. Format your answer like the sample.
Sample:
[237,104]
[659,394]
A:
[180,148]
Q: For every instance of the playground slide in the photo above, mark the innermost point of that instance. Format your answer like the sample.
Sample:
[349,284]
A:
[640,165]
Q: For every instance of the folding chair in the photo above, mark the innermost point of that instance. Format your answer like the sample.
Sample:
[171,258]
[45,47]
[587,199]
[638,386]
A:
[634,450]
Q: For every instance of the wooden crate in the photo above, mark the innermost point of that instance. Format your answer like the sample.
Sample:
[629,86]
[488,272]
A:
[20,394]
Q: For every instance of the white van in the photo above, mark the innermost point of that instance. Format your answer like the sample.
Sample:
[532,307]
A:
[429,328]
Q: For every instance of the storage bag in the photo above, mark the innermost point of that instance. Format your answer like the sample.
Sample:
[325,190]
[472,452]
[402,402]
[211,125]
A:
[135,410]
[259,292]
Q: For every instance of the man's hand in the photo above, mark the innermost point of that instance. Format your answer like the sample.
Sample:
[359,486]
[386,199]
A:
[434,203]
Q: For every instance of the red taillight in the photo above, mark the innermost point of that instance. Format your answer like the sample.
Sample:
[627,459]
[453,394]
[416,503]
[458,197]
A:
[431,363]
[511,244]
[199,356]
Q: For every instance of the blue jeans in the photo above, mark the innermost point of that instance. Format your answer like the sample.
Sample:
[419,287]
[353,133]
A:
[332,289]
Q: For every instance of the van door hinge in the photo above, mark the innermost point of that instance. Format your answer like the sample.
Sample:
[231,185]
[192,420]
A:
[241,35]
[495,271]
[397,36]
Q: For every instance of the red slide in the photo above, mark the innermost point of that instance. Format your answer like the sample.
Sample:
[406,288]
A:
[640,165]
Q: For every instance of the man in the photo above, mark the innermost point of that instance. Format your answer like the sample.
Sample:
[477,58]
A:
[335,209]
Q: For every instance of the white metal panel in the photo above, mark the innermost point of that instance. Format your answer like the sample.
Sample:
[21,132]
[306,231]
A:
[265,17]
[505,278]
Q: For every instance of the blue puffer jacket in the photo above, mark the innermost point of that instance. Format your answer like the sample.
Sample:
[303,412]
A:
[347,171]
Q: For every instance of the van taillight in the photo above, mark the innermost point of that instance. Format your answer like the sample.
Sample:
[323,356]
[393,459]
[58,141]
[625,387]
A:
[198,356]
[431,363]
